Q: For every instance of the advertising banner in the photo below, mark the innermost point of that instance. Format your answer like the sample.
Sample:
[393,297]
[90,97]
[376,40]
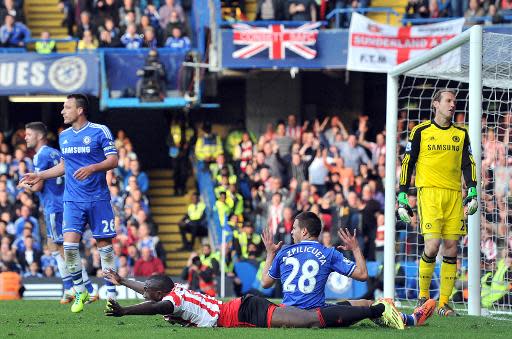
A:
[32,73]
[376,47]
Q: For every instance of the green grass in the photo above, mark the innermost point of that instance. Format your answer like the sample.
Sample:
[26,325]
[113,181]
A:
[48,319]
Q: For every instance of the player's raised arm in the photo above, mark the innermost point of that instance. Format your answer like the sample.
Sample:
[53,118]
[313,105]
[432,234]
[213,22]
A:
[34,178]
[272,249]
[163,307]
[350,243]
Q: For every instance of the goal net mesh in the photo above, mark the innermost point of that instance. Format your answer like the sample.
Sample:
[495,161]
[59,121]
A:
[416,89]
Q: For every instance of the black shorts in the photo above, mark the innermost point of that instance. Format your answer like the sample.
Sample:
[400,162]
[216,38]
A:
[255,311]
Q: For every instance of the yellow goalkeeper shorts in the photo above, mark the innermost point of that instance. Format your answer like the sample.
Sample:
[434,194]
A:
[441,213]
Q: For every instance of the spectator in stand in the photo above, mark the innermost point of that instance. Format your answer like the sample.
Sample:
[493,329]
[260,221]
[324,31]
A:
[283,142]
[200,277]
[495,16]
[244,238]
[106,40]
[270,10]
[112,30]
[25,216]
[369,209]
[128,19]
[142,177]
[474,11]
[47,45]
[209,145]
[28,254]
[33,271]
[66,7]
[106,9]
[150,40]
[85,25]
[146,3]
[439,9]
[301,10]
[147,265]
[88,42]
[284,228]
[417,9]
[194,222]
[10,9]
[165,13]
[151,12]
[128,6]
[174,21]
[176,42]
[353,154]
[13,34]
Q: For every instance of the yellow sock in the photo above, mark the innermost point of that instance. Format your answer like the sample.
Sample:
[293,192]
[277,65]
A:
[427,265]
[448,276]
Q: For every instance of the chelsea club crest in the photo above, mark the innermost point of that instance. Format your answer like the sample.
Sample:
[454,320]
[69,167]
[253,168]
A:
[87,140]
[68,74]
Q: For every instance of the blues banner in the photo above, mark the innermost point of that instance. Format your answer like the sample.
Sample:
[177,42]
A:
[32,73]
[122,65]
[278,46]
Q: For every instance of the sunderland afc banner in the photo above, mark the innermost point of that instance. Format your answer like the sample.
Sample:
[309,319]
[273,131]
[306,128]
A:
[32,74]
[375,47]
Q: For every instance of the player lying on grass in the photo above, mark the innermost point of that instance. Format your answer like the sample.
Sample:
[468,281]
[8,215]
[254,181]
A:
[180,305]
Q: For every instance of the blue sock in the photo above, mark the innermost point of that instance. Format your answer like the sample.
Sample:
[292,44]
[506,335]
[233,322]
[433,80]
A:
[408,319]
[67,283]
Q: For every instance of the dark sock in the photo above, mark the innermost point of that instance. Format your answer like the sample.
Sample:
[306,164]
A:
[377,310]
[343,316]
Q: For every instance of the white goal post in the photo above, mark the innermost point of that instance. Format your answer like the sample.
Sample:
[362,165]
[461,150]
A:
[473,36]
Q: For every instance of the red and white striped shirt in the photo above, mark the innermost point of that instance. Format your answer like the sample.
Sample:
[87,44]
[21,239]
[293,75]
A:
[192,307]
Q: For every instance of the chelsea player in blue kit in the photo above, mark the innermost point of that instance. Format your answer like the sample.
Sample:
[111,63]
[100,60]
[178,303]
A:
[304,267]
[88,152]
[50,194]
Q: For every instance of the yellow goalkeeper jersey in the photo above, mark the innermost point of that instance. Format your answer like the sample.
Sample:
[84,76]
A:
[441,155]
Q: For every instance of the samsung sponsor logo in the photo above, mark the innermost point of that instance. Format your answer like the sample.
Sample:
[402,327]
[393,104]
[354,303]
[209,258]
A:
[76,150]
[443,148]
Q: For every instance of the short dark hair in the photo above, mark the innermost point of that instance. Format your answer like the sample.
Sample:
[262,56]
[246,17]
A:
[37,126]
[81,101]
[439,93]
[311,222]
[162,283]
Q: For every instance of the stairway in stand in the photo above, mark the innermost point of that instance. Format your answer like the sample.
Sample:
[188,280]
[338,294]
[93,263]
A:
[167,210]
[43,15]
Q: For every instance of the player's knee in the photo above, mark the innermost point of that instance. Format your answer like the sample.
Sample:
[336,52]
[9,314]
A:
[432,247]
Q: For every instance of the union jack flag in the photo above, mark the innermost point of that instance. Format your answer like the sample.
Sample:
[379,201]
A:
[275,38]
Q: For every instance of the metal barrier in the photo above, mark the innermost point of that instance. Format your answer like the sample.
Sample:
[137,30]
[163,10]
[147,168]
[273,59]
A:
[336,13]
[476,19]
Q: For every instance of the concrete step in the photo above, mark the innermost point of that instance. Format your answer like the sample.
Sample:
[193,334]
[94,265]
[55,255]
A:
[160,173]
[158,192]
[178,255]
[167,219]
[169,237]
[168,210]
[176,264]
[54,31]
[169,201]
[167,228]
[173,272]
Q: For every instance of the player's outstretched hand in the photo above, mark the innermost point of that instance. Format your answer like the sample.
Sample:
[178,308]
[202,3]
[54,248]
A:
[350,242]
[83,173]
[114,309]
[268,240]
[112,276]
[30,179]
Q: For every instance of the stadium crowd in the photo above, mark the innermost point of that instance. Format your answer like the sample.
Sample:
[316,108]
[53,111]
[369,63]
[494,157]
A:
[137,24]
[22,232]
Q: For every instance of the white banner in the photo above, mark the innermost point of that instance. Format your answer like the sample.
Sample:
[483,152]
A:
[375,47]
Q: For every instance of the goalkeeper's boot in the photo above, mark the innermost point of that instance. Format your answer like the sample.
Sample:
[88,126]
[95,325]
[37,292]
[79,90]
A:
[422,313]
[391,317]
[68,296]
[80,300]
[94,296]
[420,303]
[447,311]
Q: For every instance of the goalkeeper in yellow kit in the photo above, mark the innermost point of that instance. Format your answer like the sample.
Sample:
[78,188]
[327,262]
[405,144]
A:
[441,153]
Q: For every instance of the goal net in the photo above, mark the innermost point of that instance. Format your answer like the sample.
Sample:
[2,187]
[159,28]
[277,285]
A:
[415,91]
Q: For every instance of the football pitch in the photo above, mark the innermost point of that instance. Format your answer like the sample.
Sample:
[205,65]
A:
[48,319]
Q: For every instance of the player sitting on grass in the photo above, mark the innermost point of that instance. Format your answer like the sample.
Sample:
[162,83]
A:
[304,267]
[180,305]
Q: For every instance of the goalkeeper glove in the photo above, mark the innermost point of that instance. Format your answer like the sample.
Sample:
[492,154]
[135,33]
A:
[404,209]
[471,201]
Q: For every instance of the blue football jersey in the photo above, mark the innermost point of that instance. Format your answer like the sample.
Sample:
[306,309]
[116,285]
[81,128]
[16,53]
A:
[303,269]
[53,189]
[89,145]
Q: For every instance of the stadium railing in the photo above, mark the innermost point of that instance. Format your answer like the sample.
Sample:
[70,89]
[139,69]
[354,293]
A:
[337,11]
[206,186]
[476,20]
